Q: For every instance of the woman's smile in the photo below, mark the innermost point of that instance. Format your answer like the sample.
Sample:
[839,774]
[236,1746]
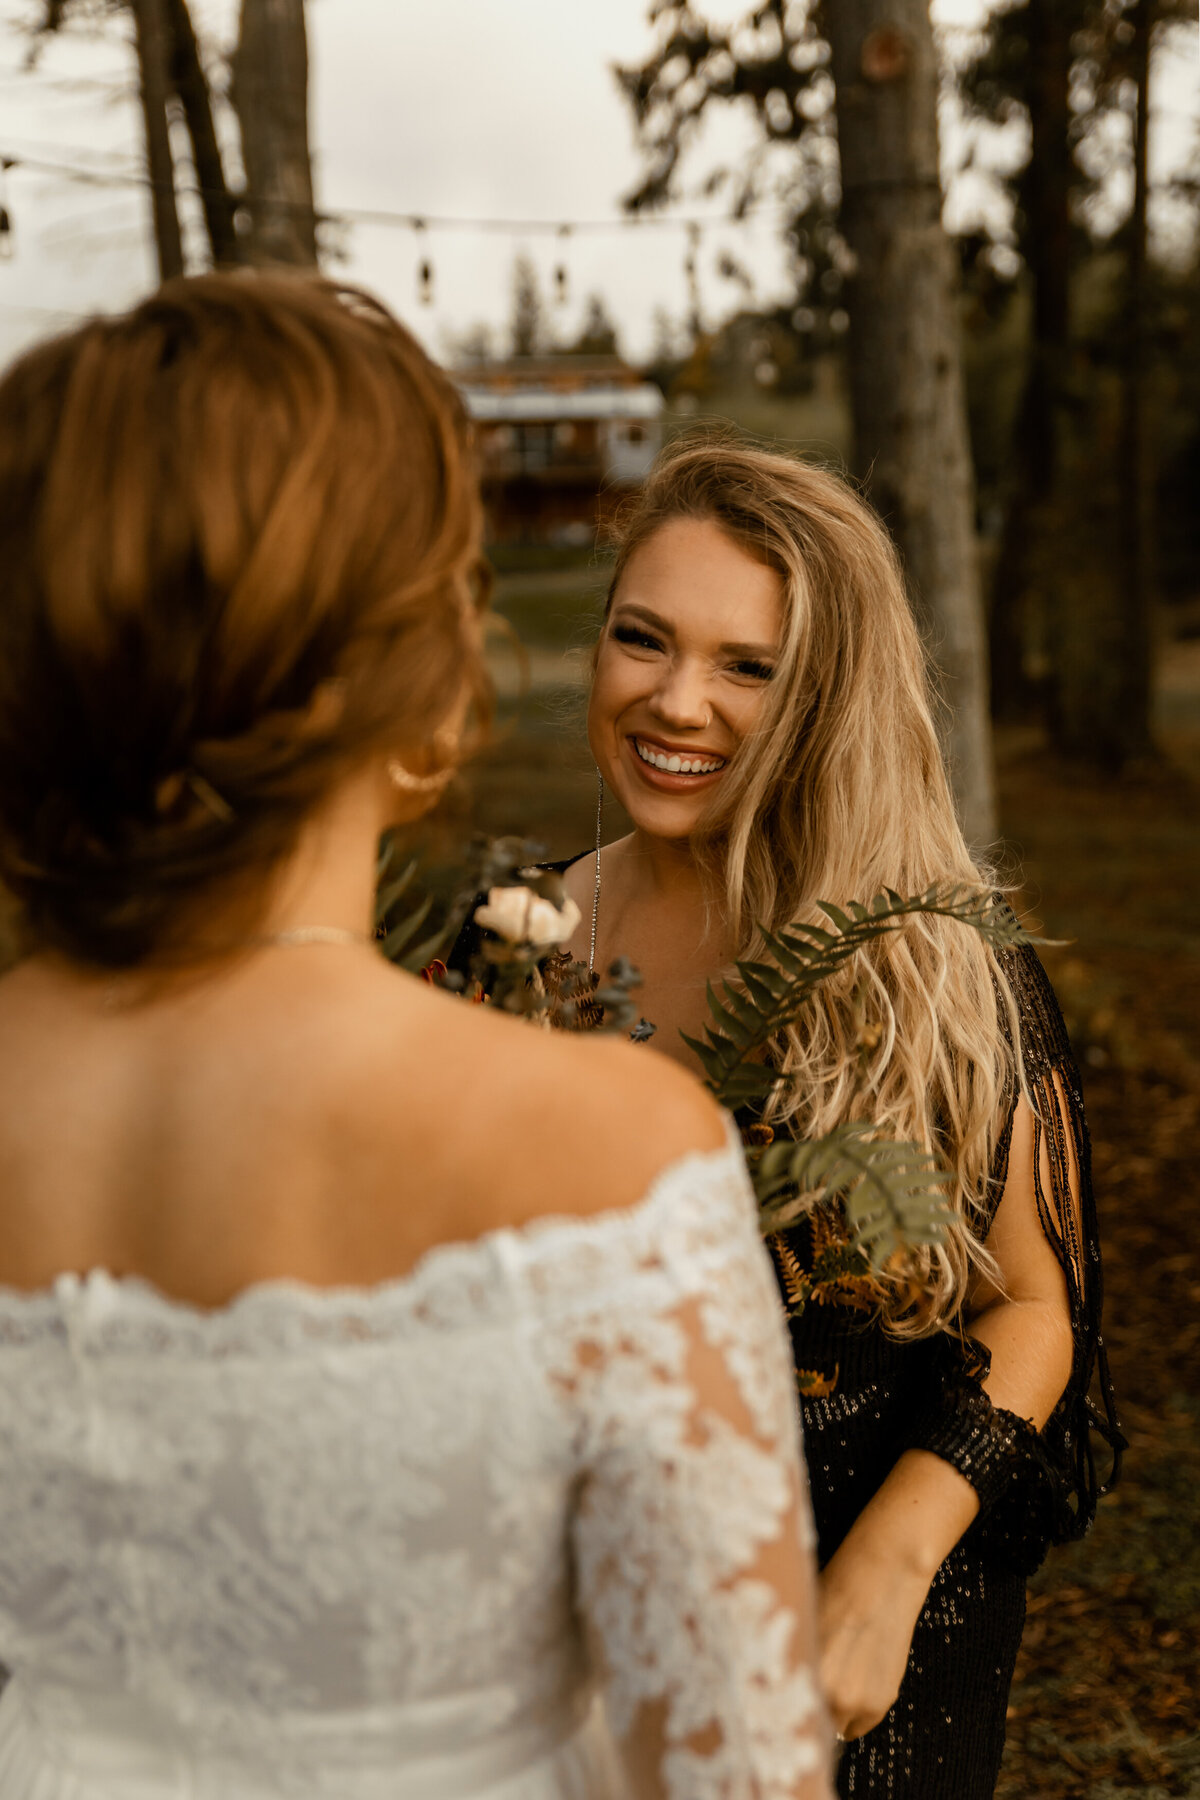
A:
[676,768]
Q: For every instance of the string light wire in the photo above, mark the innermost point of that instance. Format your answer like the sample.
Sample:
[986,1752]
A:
[412,221]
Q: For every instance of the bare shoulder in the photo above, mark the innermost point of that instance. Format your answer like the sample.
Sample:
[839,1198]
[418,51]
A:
[365,1119]
[583,1123]
[645,1110]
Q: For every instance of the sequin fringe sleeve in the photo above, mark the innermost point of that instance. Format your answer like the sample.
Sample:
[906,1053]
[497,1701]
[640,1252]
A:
[1037,1488]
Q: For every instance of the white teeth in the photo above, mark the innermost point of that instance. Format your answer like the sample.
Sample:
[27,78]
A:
[677,765]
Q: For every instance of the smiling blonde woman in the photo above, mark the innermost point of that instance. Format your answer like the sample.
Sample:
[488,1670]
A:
[760,706]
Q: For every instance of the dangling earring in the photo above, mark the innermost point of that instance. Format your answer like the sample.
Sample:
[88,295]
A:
[596,895]
[408,783]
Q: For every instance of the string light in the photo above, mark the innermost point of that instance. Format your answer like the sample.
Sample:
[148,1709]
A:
[561,277]
[424,268]
[6,230]
[691,274]
[421,224]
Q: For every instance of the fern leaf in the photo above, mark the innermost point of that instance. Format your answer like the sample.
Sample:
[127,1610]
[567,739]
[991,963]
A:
[749,1083]
[743,1023]
[843,922]
[710,1059]
[892,1193]
[745,1010]
[765,985]
[784,955]
[725,1019]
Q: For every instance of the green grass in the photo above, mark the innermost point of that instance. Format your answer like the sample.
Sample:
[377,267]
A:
[552,620]
[524,559]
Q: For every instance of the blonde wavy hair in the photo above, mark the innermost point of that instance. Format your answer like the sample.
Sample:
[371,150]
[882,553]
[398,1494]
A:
[846,794]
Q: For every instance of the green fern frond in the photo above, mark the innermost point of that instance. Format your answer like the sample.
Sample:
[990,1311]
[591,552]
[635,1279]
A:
[839,1263]
[803,956]
[892,1194]
[397,945]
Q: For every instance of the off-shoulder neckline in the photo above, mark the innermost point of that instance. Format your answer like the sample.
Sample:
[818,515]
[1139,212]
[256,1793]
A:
[439,1261]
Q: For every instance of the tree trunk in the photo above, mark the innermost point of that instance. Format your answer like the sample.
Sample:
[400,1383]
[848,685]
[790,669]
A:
[191,84]
[1137,476]
[152,53]
[1104,617]
[1035,452]
[906,380]
[270,95]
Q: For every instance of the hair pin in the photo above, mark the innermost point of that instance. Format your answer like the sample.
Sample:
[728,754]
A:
[208,796]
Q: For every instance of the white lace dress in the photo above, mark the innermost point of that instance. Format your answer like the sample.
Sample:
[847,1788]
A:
[394,1543]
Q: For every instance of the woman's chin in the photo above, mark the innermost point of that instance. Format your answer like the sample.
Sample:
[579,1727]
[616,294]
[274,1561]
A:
[660,815]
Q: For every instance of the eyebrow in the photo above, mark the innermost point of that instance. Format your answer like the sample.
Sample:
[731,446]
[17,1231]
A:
[752,652]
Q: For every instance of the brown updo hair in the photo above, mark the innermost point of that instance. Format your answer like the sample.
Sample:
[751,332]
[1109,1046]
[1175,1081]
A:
[239,542]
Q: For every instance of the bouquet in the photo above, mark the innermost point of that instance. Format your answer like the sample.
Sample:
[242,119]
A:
[874,1199]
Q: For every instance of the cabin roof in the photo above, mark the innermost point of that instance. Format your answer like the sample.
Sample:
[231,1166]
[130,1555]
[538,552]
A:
[536,404]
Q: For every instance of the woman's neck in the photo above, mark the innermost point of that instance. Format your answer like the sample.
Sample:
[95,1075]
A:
[330,877]
[657,898]
[662,869]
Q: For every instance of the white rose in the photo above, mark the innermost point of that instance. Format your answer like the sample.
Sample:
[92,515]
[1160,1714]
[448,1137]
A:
[520,916]
[550,924]
[505,912]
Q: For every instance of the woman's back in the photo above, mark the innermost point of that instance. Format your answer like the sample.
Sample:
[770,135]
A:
[285,1534]
[305,1111]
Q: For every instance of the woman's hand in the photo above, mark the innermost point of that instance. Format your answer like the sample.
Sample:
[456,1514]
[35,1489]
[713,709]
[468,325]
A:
[876,1582]
[868,1607]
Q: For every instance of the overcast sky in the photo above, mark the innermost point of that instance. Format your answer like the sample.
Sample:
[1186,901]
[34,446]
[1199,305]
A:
[460,109]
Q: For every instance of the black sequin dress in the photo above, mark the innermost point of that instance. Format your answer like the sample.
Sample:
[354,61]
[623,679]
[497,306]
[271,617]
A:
[874,1397]
[944,1737]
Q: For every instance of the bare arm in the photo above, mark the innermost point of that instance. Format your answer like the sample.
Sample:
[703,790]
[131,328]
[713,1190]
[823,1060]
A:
[875,1585]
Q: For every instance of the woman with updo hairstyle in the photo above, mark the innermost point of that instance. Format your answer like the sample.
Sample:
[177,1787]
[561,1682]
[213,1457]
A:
[331,1465]
[761,708]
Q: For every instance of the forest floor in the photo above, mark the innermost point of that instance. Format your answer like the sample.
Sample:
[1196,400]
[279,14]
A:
[1106,1701]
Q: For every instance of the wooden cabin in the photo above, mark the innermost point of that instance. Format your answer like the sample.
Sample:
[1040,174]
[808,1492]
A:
[562,440]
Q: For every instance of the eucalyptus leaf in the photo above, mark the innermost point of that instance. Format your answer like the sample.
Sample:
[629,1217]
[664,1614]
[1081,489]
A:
[388,896]
[423,954]
[398,940]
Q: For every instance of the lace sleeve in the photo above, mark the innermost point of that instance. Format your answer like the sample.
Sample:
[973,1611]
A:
[1041,1487]
[693,1533]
